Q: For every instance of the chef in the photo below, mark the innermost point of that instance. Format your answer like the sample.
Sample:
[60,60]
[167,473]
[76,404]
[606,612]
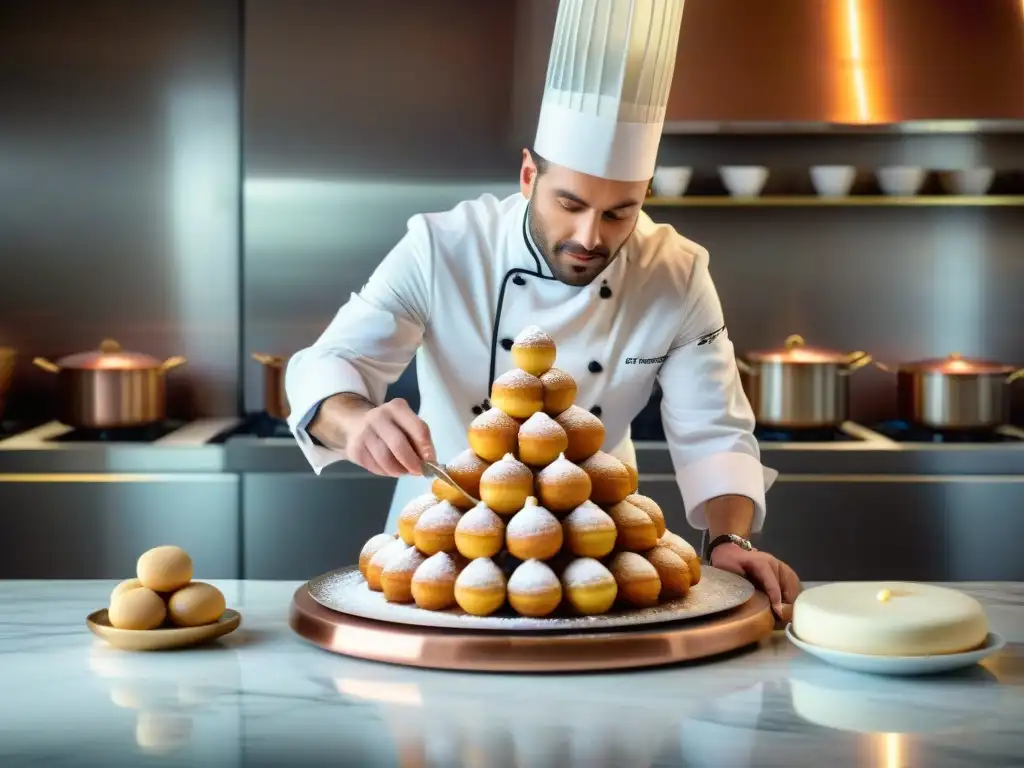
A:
[627,301]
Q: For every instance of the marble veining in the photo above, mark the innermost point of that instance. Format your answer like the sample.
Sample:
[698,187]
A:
[264,697]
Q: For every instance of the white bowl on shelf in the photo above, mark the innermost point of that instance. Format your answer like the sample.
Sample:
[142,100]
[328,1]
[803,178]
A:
[833,180]
[743,180]
[969,181]
[900,180]
[671,180]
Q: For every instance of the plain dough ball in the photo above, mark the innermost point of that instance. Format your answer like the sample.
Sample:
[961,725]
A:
[195,605]
[165,569]
[139,608]
[124,586]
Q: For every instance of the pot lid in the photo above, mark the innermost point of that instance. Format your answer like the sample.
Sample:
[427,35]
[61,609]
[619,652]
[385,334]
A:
[795,350]
[956,364]
[109,357]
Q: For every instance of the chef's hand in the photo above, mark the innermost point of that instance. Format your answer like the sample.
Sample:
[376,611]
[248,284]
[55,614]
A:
[388,439]
[773,576]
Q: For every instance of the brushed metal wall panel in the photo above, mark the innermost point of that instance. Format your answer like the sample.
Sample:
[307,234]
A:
[119,193]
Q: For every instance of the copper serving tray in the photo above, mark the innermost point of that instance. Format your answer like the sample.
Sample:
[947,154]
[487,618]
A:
[522,651]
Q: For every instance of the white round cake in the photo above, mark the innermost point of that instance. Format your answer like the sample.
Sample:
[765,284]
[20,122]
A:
[896,618]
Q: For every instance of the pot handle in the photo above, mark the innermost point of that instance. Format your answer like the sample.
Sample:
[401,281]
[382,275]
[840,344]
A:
[795,340]
[172,362]
[270,360]
[46,365]
[884,367]
[745,367]
[857,361]
[1018,374]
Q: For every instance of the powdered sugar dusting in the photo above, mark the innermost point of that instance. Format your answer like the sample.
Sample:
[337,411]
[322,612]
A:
[630,565]
[670,540]
[625,514]
[494,418]
[517,378]
[585,570]
[481,573]
[439,567]
[467,462]
[560,469]
[481,519]
[440,517]
[588,517]
[506,470]
[542,425]
[575,417]
[533,576]
[605,465]
[419,505]
[532,520]
[556,378]
[405,562]
[532,336]
[374,544]
[385,553]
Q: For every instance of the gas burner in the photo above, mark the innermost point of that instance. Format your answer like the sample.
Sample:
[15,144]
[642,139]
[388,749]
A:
[148,433]
[806,435]
[906,432]
[256,425]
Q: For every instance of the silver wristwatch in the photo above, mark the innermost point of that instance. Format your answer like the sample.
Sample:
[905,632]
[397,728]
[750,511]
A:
[725,538]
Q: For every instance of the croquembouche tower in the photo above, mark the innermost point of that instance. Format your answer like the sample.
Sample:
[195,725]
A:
[560,528]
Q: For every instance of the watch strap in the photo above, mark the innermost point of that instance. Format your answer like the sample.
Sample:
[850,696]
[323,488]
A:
[725,538]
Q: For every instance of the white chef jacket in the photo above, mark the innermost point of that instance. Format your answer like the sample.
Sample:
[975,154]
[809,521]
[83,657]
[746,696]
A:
[461,284]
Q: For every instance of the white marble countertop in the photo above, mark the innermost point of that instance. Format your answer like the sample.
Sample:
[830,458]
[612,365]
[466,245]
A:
[264,697]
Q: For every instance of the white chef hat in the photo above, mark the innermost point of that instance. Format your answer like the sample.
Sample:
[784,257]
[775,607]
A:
[607,86]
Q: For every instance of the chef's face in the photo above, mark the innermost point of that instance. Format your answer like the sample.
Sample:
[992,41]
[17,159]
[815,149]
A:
[578,222]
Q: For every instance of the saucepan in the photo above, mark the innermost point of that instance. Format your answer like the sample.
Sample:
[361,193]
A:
[110,388]
[7,358]
[954,392]
[275,399]
[800,387]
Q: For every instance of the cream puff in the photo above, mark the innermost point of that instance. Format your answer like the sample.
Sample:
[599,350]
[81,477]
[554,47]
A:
[396,577]
[589,531]
[370,548]
[541,440]
[650,506]
[636,531]
[609,478]
[534,590]
[380,559]
[562,486]
[638,581]
[533,351]
[411,513]
[466,470]
[518,393]
[589,587]
[433,583]
[672,570]
[685,550]
[492,434]
[480,533]
[533,533]
[584,430]
[480,587]
[559,391]
[435,530]
[505,485]
[634,477]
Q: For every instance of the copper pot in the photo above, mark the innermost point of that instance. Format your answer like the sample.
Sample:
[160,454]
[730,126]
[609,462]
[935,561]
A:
[274,397]
[800,387]
[954,392]
[7,358]
[110,388]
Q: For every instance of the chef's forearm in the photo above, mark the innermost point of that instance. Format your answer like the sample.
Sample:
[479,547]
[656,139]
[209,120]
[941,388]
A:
[729,514]
[334,419]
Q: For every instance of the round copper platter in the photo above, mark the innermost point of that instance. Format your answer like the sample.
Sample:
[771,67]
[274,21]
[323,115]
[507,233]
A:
[489,651]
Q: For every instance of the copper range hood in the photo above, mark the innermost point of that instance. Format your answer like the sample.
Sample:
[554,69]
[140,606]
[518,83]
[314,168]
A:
[953,65]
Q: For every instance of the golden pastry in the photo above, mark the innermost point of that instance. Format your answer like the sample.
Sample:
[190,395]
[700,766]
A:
[380,559]
[609,478]
[533,533]
[141,608]
[589,587]
[638,580]
[433,583]
[480,533]
[589,531]
[534,590]
[435,530]
[373,545]
[492,434]
[505,485]
[164,569]
[396,578]
[518,393]
[685,550]
[541,440]
[650,506]
[124,586]
[672,570]
[411,513]
[480,587]
[636,531]
[533,351]
[465,469]
[634,477]
[584,430]
[196,604]
[559,391]
[562,486]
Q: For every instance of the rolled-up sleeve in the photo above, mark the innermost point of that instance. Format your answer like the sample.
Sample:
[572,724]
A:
[707,418]
[369,343]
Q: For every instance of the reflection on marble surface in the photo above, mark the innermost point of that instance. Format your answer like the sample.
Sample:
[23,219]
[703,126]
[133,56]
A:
[263,697]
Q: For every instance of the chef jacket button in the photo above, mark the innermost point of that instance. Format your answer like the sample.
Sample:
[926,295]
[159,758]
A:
[518,280]
[477,410]
[605,292]
[594,367]
[506,344]
[596,410]
[487,405]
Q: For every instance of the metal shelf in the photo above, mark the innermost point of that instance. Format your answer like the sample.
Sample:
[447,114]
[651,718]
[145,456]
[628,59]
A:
[723,201]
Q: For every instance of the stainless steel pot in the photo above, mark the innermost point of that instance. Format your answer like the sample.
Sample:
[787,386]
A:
[954,392]
[799,387]
[110,388]
[274,398]
[7,358]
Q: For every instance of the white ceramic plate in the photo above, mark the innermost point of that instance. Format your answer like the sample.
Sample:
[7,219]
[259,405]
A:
[900,665]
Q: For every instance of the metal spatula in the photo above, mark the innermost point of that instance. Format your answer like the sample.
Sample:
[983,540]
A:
[433,470]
